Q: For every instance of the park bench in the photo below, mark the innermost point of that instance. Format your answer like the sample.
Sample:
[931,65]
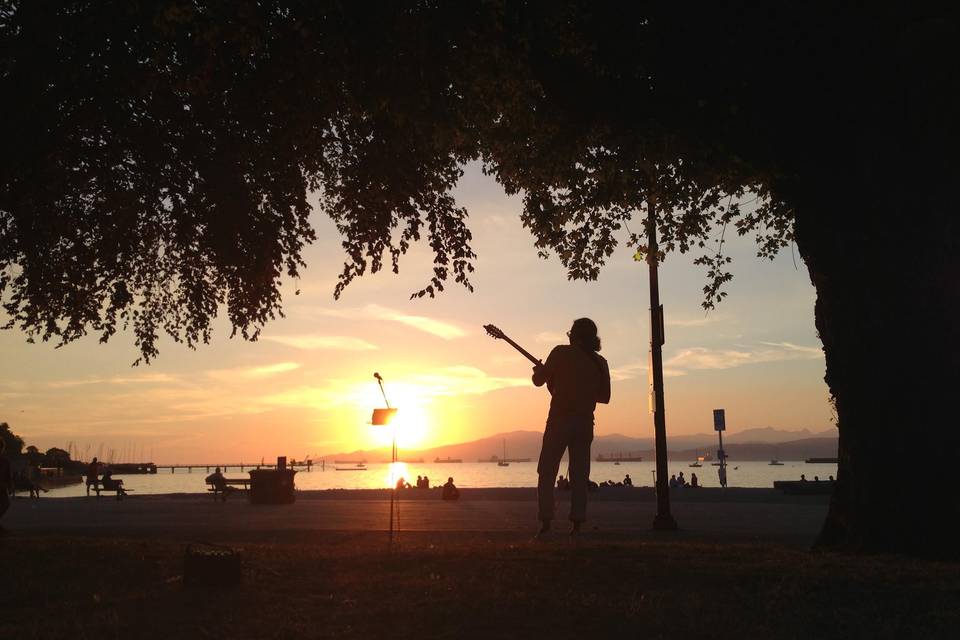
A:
[221,488]
[110,485]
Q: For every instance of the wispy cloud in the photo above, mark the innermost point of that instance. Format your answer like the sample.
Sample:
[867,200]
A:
[253,373]
[424,387]
[462,379]
[800,350]
[551,337]
[692,322]
[701,358]
[439,328]
[271,369]
[308,396]
[433,326]
[148,378]
[310,341]
[704,359]
[628,371]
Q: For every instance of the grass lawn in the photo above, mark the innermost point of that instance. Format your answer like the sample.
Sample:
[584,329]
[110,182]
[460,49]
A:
[469,585]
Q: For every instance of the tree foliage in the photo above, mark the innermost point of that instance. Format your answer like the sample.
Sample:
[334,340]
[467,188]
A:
[165,152]
[13,443]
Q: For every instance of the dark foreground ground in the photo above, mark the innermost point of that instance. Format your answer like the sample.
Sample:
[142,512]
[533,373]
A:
[469,585]
[741,568]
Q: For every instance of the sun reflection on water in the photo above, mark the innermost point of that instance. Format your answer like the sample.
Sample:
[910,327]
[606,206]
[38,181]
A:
[395,471]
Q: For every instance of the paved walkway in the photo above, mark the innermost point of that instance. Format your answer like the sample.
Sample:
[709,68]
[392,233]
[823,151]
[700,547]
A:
[746,515]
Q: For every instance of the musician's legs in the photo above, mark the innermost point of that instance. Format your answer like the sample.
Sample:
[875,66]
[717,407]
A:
[580,438]
[554,443]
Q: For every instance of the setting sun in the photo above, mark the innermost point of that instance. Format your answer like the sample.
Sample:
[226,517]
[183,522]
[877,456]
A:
[411,424]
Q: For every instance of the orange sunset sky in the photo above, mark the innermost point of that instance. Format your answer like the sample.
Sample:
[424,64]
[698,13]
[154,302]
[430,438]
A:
[306,387]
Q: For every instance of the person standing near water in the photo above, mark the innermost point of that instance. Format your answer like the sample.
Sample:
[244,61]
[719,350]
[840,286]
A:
[577,378]
[93,471]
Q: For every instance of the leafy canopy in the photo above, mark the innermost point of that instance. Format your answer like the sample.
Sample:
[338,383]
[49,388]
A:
[162,154]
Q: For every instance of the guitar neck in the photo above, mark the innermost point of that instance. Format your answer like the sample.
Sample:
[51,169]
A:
[522,350]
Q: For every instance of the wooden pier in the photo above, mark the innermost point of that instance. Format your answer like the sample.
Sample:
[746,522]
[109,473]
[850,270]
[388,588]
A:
[307,465]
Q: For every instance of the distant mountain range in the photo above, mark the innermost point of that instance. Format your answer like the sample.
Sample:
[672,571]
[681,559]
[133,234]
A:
[762,443]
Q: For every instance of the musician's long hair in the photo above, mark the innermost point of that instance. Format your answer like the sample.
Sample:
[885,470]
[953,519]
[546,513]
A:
[583,333]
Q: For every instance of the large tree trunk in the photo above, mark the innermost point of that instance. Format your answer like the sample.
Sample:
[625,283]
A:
[877,223]
[889,321]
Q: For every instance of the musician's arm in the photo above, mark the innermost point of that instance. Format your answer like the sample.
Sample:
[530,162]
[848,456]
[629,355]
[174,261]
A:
[543,373]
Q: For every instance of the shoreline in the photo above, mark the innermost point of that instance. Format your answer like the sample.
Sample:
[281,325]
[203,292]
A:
[510,494]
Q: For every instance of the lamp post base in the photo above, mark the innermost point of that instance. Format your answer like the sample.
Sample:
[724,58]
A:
[664,522]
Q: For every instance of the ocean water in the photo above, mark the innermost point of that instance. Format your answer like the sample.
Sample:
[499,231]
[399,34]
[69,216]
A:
[472,474]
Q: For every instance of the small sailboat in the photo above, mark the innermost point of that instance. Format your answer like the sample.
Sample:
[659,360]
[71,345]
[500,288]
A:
[775,462]
[502,462]
[698,462]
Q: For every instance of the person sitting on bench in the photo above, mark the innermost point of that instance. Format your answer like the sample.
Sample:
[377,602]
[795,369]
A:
[219,484]
[109,484]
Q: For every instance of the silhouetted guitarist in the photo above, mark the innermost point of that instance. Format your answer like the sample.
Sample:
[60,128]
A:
[578,378]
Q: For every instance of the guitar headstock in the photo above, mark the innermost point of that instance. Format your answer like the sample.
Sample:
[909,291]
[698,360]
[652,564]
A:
[493,331]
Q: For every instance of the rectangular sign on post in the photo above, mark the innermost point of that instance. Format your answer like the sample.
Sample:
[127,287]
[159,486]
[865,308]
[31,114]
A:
[719,420]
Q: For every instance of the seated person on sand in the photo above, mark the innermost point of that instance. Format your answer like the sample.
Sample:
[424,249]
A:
[402,484]
[563,484]
[419,482]
[673,482]
[426,482]
[450,491]
[694,482]
[627,481]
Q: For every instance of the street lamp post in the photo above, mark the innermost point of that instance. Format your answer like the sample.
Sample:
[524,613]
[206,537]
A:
[663,521]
